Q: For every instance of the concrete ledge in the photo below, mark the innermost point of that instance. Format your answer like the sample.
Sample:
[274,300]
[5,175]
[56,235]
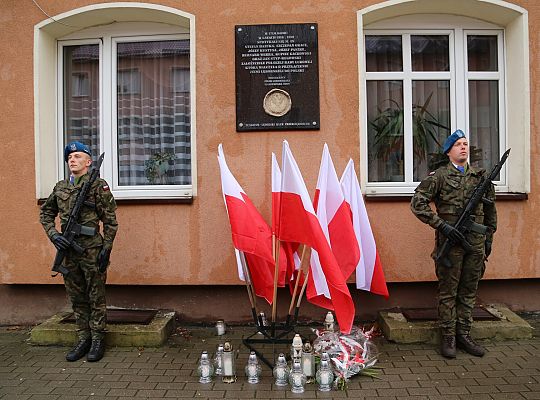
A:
[396,328]
[53,332]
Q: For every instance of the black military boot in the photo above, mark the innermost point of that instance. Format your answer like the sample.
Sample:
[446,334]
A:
[79,351]
[465,342]
[96,351]
[448,346]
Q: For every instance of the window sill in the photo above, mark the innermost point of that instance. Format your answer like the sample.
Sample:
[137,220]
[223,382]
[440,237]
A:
[407,197]
[182,200]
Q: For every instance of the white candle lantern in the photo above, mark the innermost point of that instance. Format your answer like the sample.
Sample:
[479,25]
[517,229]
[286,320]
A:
[297,379]
[329,322]
[228,367]
[308,363]
[325,376]
[296,348]
[253,369]
[281,371]
[220,327]
[218,361]
[205,369]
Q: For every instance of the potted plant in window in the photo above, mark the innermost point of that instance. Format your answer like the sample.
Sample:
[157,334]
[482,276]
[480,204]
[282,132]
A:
[156,167]
[388,128]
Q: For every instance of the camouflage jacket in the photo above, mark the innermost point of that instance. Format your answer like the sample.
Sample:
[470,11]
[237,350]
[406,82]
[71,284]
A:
[450,190]
[100,207]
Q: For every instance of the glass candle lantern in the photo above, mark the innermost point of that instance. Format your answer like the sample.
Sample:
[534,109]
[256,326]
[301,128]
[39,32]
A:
[228,367]
[262,317]
[253,369]
[325,356]
[220,327]
[205,369]
[325,376]
[308,363]
[263,323]
[296,348]
[218,361]
[281,371]
[329,322]
[297,379]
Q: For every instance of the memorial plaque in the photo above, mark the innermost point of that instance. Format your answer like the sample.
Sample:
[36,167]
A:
[277,77]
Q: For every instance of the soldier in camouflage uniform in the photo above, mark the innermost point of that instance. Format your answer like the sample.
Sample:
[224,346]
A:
[85,282]
[450,187]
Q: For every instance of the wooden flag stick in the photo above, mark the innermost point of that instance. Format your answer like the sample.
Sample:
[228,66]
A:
[306,253]
[297,309]
[249,287]
[276,248]
[303,290]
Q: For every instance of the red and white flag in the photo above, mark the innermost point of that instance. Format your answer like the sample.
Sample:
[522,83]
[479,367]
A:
[276,192]
[334,214]
[298,223]
[292,261]
[250,232]
[369,271]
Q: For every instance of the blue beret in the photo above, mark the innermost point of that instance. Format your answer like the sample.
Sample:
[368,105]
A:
[76,146]
[450,140]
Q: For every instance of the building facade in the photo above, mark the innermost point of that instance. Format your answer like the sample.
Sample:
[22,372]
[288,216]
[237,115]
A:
[153,86]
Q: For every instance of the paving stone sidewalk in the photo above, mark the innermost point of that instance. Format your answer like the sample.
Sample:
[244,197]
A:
[510,370]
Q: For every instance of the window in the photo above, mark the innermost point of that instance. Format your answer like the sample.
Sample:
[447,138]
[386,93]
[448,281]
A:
[128,82]
[81,110]
[180,80]
[114,92]
[421,85]
[429,67]
[146,81]
[80,84]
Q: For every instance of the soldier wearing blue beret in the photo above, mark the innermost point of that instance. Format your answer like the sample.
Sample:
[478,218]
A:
[450,187]
[85,282]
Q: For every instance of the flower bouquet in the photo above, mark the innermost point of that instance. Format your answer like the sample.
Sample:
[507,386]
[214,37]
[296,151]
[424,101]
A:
[352,354]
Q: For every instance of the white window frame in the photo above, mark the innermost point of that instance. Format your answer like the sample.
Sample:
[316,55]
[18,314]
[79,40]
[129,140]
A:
[407,76]
[499,75]
[108,109]
[458,77]
[482,14]
[83,24]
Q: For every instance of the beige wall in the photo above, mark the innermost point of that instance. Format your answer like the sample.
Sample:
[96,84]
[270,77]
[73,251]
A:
[191,244]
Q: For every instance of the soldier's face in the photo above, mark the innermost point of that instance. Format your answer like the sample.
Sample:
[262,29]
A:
[78,163]
[459,153]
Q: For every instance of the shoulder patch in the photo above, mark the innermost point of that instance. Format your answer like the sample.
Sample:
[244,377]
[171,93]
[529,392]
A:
[431,173]
[106,188]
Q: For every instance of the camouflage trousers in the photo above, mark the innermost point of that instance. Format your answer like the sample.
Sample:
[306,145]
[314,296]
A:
[85,286]
[457,287]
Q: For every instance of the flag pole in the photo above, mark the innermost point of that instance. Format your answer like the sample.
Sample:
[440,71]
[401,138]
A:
[297,309]
[276,247]
[306,253]
[249,288]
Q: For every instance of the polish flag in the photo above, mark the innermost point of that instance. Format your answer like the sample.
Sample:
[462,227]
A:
[287,249]
[369,271]
[250,233]
[334,214]
[299,223]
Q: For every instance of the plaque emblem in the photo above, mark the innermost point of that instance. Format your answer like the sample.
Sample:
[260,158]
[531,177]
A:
[277,102]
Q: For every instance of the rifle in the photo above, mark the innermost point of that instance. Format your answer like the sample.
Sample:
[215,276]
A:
[465,222]
[73,228]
